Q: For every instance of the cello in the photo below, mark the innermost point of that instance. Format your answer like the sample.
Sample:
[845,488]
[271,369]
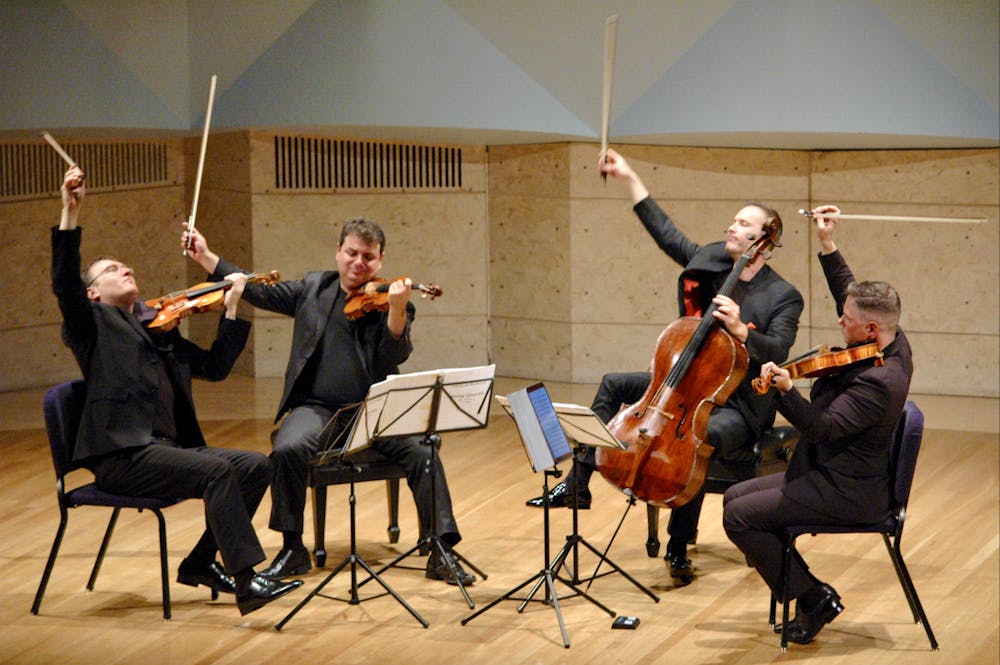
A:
[696,366]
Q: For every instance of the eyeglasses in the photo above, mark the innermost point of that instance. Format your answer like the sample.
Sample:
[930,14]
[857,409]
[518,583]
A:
[110,269]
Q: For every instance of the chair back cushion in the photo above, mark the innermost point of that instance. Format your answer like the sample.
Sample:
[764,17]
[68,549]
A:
[62,407]
[906,446]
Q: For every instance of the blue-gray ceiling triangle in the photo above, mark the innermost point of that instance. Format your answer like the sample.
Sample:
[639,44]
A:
[390,63]
[51,59]
[808,66]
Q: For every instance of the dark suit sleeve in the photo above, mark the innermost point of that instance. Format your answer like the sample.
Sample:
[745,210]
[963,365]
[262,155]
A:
[215,363]
[79,328]
[282,298]
[775,342]
[669,238]
[838,277]
[858,408]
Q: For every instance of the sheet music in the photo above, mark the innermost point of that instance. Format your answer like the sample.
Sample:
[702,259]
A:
[401,405]
[585,427]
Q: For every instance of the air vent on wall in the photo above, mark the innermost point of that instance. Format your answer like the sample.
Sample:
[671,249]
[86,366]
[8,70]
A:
[340,164]
[28,169]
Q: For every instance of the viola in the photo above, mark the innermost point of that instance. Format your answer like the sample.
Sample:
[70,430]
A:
[822,361]
[697,366]
[374,296]
[203,297]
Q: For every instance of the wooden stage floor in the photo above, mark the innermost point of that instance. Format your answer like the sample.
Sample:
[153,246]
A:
[951,544]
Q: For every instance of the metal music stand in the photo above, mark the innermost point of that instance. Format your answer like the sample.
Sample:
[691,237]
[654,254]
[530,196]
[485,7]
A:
[585,428]
[351,559]
[426,403]
[546,445]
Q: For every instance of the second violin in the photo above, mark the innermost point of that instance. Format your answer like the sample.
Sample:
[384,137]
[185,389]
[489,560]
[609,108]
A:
[375,296]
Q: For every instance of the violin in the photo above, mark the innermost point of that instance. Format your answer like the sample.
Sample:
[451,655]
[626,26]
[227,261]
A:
[203,297]
[374,295]
[822,361]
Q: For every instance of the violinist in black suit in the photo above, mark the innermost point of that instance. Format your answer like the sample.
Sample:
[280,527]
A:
[138,431]
[839,473]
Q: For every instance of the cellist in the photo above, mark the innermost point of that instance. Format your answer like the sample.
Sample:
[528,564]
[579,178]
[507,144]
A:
[763,313]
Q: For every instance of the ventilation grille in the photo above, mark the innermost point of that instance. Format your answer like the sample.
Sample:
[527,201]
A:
[338,164]
[28,169]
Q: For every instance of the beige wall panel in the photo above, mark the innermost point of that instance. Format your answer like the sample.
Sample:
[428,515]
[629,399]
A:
[960,177]
[699,173]
[227,163]
[35,356]
[272,344]
[530,170]
[447,341]
[537,349]
[601,348]
[946,274]
[529,258]
[439,237]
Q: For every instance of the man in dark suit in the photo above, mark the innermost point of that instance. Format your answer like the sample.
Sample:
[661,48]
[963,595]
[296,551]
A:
[333,362]
[138,431]
[762,312]
[839,473]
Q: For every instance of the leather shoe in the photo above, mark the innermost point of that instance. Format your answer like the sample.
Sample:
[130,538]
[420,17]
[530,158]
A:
[210,574]
[680,568]
[439,569]
[806,625]
[262,591]
[561,496]
[290,561]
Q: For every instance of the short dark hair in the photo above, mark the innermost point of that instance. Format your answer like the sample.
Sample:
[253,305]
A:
[878,300]
[366,229]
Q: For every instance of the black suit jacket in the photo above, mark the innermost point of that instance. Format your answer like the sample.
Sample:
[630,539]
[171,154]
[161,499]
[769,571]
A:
[841,464]
[770,303]
[118,359]
[310,300]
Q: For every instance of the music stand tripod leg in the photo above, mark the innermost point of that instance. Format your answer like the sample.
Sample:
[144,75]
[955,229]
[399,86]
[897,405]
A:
[575,539]
[542,577]
[354,560]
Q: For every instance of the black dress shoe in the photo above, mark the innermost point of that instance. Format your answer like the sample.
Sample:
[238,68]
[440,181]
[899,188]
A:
[290,561]
[806,625]
[262,591]
[561,496]
[438,569]
[680,568]
[210,574]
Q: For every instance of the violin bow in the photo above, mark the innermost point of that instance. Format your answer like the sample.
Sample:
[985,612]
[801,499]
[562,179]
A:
[58,148]
[201,164]
[897,218]
[610,38]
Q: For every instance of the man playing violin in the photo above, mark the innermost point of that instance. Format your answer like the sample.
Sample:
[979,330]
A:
[138,432]
[839,473]
[332,370]
[763,313]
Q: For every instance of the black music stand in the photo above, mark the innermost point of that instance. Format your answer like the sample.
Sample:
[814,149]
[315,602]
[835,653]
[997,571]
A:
[413,404]
[352,558]
[546,445]
[586,429]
